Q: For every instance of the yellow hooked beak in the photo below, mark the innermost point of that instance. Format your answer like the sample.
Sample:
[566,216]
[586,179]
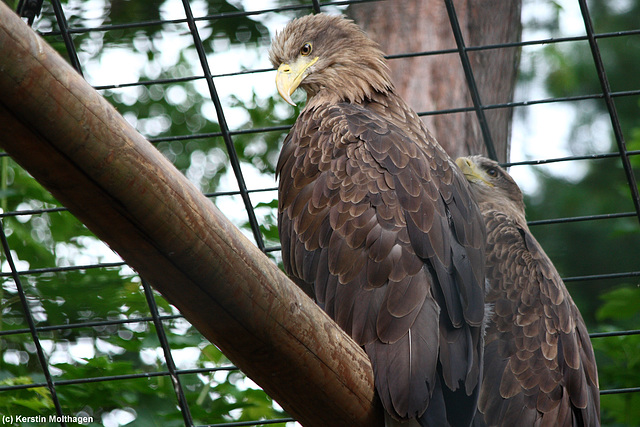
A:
[289,77]
[471,171]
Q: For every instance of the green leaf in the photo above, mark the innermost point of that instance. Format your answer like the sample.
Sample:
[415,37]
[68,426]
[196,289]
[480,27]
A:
[620,304]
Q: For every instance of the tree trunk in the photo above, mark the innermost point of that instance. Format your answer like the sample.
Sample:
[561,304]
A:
[437,82]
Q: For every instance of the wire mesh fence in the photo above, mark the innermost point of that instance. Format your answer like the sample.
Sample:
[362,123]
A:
[85,340]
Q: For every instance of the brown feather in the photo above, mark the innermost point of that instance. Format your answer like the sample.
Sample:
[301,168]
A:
[375,217]
[537,342]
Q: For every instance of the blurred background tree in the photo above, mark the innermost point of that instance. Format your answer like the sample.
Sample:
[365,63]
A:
[607,246]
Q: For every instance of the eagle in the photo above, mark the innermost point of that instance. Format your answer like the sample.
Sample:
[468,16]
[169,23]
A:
[378,224]
[539,366]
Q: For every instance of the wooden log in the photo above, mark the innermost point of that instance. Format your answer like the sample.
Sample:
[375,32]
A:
[77,145]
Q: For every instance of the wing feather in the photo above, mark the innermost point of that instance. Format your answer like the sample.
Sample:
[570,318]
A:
[374,217]
[401,365]
[539,363]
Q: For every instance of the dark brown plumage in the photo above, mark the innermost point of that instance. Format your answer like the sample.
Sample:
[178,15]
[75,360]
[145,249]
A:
[378,223]
[539,366]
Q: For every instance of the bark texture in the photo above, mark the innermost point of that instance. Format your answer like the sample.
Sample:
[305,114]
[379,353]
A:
[437,82]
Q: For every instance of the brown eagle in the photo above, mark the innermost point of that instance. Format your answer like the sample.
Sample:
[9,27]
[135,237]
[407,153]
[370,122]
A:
[378,223]
[539,366]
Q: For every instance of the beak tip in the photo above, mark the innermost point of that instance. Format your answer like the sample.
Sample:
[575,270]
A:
[284,88]
[287,98]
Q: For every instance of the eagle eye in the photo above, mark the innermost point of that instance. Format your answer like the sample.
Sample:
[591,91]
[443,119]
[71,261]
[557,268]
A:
[492,172]
[305,50]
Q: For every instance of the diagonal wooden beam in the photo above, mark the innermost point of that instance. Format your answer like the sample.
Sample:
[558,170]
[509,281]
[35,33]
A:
[76,145]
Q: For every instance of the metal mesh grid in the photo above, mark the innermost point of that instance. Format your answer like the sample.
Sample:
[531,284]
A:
[22,300]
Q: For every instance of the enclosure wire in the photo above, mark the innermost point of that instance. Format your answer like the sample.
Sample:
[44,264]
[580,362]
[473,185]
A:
[471,81]
[222,122]
[42,359]
[66,36]
[227,135]
[168,357]
[611,106]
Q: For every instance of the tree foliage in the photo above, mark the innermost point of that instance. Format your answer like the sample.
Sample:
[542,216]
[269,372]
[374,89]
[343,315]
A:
[95,320]
[604,246]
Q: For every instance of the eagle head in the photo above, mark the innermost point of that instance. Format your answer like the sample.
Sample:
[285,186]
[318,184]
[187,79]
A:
[490,183]
[328,55]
